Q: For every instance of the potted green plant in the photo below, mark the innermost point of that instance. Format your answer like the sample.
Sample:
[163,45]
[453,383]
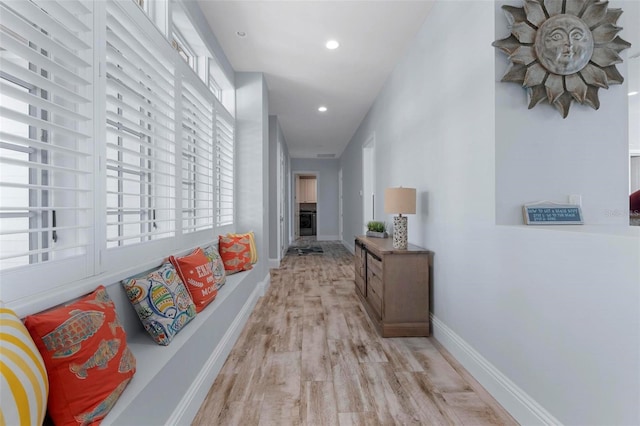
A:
[376,229]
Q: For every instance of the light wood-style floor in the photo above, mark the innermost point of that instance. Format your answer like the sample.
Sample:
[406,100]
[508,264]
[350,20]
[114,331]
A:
[310,356]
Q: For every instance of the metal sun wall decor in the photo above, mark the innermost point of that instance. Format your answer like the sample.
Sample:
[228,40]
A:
[563,50]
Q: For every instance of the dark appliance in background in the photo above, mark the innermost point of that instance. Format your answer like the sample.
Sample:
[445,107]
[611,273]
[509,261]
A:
[307,223]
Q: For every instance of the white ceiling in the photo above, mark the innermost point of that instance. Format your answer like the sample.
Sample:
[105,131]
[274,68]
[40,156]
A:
[285,40]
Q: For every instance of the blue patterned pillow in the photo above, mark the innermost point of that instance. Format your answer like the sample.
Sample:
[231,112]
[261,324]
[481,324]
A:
[161,301]
[219,274]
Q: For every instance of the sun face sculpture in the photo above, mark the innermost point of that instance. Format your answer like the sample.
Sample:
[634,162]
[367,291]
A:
[563,50]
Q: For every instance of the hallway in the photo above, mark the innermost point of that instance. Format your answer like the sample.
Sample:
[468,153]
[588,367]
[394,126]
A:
[309,355]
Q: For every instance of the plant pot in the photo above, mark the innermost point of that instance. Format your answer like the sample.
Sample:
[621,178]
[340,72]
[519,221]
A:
[377,234]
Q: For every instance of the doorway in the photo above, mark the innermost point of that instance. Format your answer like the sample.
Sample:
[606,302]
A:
[306,204]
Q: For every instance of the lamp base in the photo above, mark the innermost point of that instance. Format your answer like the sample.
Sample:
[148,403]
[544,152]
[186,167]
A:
[400,232]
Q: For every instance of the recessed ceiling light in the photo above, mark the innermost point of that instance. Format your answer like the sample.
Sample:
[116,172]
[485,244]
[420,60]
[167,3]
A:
[241,34]
[322,109]
[633,93]
[332,44]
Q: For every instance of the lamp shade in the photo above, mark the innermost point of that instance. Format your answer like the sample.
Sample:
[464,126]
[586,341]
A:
[400,200]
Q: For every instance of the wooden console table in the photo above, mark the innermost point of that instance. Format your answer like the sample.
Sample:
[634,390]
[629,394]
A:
[393,286]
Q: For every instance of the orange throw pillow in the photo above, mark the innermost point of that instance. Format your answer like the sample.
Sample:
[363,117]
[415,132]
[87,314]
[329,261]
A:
[195,272]
[85,351]
[252,244]
[235,252]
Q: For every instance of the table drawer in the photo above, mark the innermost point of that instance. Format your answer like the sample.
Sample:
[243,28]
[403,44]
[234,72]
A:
[374,264]
[374,283]
[375,300]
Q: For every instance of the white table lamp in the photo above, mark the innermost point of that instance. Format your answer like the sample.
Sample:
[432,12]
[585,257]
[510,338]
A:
[400,201]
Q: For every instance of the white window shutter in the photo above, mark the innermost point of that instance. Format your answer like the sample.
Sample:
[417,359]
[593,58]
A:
[224,167]
[197,159]
[46,142]
[141,148]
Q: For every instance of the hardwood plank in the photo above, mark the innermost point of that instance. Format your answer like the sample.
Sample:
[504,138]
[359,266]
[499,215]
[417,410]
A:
[237,413]
[422,392]
[400,356]
[389,395]
[440,373]
[315,357]
[360,325]
[313,313]
[369,418]
[349,381]
[279,408]
[216,399]
[318,405]
[281,404]
[283,373]
[368,350]
[289,338]
[469,409]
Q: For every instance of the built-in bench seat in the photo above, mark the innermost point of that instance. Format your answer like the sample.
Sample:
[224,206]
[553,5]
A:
[171,381]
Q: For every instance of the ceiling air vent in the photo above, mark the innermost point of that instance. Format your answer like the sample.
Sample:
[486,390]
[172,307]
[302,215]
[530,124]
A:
[326,156]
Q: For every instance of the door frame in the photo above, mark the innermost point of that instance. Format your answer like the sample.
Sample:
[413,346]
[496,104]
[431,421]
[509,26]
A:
[282,244]
[296,204]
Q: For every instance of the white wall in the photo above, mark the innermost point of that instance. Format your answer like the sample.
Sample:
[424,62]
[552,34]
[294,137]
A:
[577,155]
[326,172]
[276,138]
[252,162]
[554,311]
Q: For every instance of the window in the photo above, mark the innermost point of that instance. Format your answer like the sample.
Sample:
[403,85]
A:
[99,172]
[156,11]
[224,168]
[140,136]
[214,87]
[197,160]
[187,40]
[184,51]
[46,201]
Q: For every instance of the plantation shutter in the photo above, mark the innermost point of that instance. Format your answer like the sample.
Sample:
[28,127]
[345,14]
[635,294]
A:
[224,167]
[141,152]
[197,160]
[46,147]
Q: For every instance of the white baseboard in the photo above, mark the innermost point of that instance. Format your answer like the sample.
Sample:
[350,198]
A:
[349,247]
[264,284]
[327,238]
[190,403]
[274,263]
[517,402]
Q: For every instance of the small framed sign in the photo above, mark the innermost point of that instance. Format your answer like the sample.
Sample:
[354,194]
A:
[552,214]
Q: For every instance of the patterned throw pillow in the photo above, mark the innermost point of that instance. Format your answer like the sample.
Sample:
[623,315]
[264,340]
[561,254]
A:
[217,266]
[252,244]
[195,272]
[24,401]
[84,348]
[161,301]
[235,253]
